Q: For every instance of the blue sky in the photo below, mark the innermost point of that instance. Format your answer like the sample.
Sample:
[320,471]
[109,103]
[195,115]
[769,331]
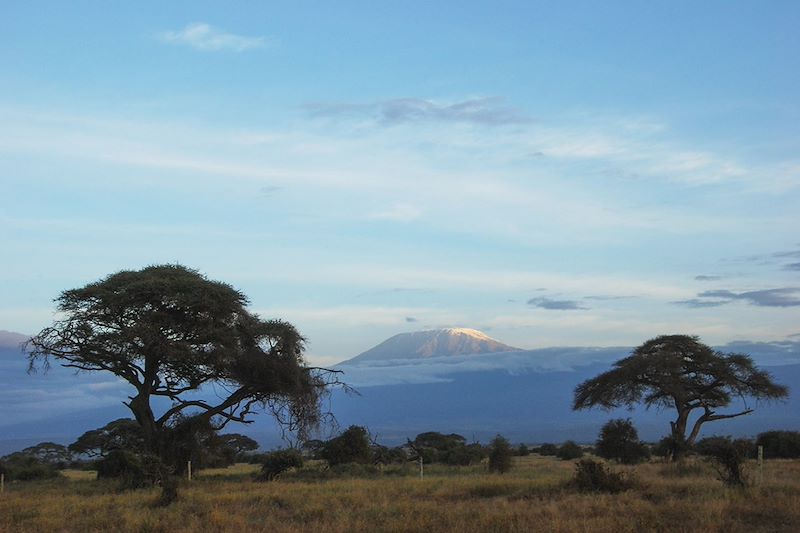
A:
[571,173]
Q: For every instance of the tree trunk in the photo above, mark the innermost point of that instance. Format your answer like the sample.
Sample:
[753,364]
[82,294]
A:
[678,446]
[140,406]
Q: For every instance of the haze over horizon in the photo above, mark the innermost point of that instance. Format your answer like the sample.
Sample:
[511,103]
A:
[579,174]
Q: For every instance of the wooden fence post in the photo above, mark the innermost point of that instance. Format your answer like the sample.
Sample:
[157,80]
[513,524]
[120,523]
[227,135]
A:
[189,470]
[760,464]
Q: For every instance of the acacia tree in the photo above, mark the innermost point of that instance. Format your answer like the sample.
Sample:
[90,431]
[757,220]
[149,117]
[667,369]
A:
[679,372]
[168,331]
[121,434]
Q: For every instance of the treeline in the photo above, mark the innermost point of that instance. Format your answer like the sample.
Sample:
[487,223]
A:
[116,450]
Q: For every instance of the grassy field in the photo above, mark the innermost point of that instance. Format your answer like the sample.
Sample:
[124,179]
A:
[535,496]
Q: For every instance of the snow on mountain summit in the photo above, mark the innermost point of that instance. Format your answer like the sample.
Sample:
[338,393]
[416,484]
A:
[433,343]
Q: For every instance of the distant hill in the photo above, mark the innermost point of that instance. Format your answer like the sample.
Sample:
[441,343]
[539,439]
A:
[433,343]
[10,339]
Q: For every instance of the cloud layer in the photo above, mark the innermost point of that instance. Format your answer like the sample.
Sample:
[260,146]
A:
[780,297]
[482,111]
[201,36]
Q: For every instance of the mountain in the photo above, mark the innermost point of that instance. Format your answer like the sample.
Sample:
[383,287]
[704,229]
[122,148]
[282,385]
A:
[433,343]
[10,339]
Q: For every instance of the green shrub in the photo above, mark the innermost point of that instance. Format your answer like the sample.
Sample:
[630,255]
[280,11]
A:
[594,476]
[728,459]
[523,450]
[780,444]
[619,440]
[500,454]
[547,449]
[352,446]
[22,467]
[133,470]
[569,450]
[276,463]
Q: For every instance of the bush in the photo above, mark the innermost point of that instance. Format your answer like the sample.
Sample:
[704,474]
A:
[277,462]
[569,450]
[22,467]
[352,446]
[619,440]
[500,454]
[133,470]
[669,447]
[709,446]
[780,444]
[728,459]
[523,450]
[547,449]
[594,476]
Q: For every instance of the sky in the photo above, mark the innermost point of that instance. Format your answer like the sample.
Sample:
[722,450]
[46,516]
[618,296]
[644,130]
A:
[553,174]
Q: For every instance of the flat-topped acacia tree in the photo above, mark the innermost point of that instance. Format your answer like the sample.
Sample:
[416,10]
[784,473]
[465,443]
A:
[680,372]
[168,331]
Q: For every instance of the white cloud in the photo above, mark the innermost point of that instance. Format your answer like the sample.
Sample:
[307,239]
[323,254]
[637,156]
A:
[398,213]
[201,36]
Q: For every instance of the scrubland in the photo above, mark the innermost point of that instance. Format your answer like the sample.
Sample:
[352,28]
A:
[535,496]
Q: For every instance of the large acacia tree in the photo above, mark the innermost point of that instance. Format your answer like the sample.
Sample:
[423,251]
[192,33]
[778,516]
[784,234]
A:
[169,331]
[681,373]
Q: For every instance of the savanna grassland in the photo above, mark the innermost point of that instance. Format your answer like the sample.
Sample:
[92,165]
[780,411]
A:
[535,496]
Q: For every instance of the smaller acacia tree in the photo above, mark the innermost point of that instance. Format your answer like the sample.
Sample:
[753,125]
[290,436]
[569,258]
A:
[679,372]
[121,434]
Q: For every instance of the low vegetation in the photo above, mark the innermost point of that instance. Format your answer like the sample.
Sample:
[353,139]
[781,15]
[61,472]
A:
[537,494]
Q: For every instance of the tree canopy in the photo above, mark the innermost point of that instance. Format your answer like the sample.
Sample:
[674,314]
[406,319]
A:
[679,372]
[168,331]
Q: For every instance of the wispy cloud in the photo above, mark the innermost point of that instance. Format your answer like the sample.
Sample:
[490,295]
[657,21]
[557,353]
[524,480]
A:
[779,297]
[698,303]
[398,213]
[201,36]
[703,277]
[792,266]
[556,305]
[485,111]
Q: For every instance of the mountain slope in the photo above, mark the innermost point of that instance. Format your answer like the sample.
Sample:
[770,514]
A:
[433,343]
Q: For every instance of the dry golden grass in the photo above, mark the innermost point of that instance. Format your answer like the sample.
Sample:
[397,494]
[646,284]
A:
[533,497]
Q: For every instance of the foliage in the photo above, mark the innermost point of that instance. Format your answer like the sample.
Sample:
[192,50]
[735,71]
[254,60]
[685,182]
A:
[619,440]
[500,455]
[352,446]
[594,476]
[523,450]
[679,372]
[452,449]
[277,462]
[121,434]
[21,466]
[167,330]
[49,453]
[133,470]
[780,444]
[671,447]
[385,455]
[709,445]
[728,458]
[547,449]
[569,450]
[237,444]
